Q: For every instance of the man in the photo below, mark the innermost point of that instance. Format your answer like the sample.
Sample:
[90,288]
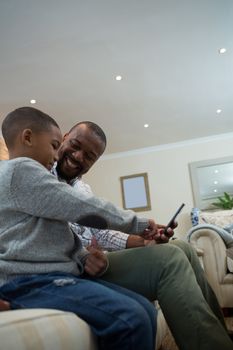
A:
[139,269]
[76,156]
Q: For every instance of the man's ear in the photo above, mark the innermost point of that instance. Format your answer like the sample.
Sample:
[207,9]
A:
[26,137]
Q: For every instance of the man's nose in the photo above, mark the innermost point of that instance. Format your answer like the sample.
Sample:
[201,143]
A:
[78,155]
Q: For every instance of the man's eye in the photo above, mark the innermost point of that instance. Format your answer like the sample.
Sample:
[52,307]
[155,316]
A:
[74,144]
[90,158]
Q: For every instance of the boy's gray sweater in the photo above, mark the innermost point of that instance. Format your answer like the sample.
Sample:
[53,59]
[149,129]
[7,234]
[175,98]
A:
[35,209]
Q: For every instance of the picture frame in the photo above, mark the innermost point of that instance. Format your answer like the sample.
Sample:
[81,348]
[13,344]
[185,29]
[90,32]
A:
[135,192]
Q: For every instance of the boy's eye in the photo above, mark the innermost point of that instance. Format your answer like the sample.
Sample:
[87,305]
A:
[56,145]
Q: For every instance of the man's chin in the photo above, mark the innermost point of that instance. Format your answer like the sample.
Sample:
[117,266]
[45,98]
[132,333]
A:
[67,173]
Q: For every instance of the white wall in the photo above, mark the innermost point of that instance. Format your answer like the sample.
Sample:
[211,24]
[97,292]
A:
[168,174]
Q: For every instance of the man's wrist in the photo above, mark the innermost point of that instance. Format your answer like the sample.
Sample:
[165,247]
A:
[134,241]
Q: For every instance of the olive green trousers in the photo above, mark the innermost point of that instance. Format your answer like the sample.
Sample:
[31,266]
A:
[171,273]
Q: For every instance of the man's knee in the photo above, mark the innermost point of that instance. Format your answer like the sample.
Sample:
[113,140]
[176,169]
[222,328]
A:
[184,246]
[163,254]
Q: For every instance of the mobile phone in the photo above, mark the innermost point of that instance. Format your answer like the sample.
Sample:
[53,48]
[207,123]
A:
[173,218]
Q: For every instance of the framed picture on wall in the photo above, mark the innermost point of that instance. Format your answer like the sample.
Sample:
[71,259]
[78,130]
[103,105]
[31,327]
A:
[135,192]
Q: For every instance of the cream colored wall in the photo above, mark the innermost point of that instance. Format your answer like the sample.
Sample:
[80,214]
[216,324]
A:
[168,175]
[3,150]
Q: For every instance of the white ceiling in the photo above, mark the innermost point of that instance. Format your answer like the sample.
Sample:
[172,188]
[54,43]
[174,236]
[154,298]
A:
[66,54]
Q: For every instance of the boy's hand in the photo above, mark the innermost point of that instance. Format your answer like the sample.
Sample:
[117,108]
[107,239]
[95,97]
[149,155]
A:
[4,305]
[96,262]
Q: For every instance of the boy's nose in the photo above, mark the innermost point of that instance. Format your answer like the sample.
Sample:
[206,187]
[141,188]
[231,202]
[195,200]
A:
[56,157]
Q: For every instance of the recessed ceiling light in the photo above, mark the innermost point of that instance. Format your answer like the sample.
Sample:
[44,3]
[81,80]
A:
[215,190]
[222,50]
[215,182]
[32,102]
[218,111]
[118,77]
[146,125]
[216,171]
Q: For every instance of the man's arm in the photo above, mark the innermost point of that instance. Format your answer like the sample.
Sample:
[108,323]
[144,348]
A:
[109,240]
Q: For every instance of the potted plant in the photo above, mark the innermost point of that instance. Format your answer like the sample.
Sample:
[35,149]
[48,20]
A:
[224,202]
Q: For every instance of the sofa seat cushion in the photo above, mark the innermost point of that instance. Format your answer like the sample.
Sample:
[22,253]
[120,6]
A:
[44,329]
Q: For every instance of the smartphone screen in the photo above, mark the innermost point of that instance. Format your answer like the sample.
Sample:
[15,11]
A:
[173,218]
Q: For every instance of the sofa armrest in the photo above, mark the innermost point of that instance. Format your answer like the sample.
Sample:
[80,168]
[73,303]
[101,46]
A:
[213,250]
[199,251]
[214,262]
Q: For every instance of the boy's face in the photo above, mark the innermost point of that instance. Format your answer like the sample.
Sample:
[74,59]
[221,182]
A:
[80,149]
[45,146]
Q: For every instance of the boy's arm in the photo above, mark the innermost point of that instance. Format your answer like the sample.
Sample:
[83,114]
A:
[36,192]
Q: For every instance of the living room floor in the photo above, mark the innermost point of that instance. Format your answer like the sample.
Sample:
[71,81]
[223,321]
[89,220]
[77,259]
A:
[169,342]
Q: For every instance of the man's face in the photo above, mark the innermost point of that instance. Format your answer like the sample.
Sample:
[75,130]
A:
[80,149]
[45,146]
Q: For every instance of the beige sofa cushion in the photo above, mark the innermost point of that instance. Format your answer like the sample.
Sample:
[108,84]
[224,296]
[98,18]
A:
[219,218]
[44,329]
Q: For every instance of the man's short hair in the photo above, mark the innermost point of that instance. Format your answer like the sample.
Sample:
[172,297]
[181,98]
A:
[25,118]
[93,127]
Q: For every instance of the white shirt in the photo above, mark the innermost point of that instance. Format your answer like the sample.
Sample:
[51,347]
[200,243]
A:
[107,239]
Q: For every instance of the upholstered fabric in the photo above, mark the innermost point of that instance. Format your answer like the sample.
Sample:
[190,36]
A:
[162,328]
[214,261]
[219,218]
[46,329]
[43,329]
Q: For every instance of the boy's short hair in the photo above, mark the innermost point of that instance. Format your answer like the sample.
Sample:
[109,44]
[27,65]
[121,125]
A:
[25,118]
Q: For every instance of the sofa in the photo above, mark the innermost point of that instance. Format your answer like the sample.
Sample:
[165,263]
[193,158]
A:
[215,252]
[47,329]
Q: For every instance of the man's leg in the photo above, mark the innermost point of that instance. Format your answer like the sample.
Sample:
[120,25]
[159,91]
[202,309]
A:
[120,321]
[207,291]
[163,272]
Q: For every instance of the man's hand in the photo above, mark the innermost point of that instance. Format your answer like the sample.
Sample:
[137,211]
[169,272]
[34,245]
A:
[96,262]
[156,232]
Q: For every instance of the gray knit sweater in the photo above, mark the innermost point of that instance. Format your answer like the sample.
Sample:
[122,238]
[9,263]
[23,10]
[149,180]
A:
[35,209]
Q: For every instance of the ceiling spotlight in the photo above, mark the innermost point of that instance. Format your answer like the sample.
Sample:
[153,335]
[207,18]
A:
[222,50]
[216,171]
[146,125]
[218,111]
[32,102]
[215,190]
[215,182]
[118,77]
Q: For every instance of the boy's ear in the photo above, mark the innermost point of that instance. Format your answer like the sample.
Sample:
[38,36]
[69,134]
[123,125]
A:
[26,137]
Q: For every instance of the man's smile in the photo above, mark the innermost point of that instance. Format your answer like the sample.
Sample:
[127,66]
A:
[73,164]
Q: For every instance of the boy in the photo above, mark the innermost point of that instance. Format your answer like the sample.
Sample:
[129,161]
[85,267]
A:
[42,264]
